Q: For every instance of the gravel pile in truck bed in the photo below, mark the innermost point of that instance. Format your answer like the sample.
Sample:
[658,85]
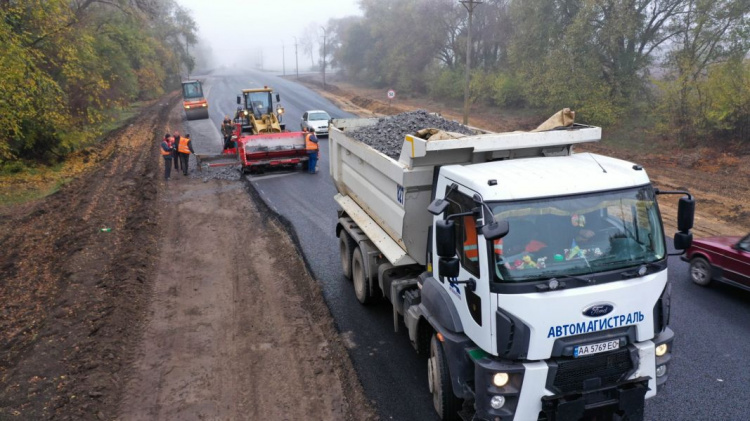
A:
[387,136]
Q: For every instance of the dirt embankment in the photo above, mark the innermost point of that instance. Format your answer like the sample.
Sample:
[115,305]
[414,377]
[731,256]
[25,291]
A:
[71,293]
[193,305]
[720,181]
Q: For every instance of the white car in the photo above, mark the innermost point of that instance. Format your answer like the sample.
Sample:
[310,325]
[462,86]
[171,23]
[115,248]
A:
[316,120]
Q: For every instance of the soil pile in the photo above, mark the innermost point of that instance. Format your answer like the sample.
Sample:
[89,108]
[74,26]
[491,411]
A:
[387,136]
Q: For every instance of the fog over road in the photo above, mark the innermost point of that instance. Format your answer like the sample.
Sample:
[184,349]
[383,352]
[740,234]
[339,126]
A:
[710,372]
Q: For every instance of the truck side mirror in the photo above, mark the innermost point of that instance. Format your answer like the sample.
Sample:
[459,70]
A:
[685,213]
[683,240]
[445,237]
[278,98]
[449,267]
[495,230]
[239,100]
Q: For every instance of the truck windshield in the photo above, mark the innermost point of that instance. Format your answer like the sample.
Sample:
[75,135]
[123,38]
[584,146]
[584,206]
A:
[577,235]
[259,103]
[192,90]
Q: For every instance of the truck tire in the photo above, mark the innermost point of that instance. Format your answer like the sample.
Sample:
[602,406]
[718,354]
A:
[700,271]
[359,278]
[445,402]
[346,250]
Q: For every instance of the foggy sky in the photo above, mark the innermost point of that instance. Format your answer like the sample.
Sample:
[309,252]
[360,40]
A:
[237,30]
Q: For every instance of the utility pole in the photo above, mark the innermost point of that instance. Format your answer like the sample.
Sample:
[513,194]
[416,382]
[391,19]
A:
[296,57]
[283,60]
[469,5]
[324,56]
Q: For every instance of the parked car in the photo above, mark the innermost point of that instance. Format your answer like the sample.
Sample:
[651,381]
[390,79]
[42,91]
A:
[316,120]
[725,259]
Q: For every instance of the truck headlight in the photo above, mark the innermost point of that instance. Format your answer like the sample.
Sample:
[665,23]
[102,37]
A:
[500,379]
[497,402]
[661,350]
[187,107]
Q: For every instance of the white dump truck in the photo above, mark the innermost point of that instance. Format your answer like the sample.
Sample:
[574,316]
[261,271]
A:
[534,278]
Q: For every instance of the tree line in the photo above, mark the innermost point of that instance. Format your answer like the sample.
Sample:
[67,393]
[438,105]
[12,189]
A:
[682,63]
[66,64]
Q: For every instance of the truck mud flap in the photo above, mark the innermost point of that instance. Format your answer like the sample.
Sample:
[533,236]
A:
[623,402]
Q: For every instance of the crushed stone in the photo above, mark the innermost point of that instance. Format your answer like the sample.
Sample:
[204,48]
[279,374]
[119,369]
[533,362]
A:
[228,173]
[387,136]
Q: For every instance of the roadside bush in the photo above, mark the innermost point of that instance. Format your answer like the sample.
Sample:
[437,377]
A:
[507,91]
[716,106]
[445,83]
[12,167]
[727,91]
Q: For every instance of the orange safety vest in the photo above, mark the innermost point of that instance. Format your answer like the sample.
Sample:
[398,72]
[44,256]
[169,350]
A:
[309,144]
[183,148]
[470,244]
[471,250]
[163,152]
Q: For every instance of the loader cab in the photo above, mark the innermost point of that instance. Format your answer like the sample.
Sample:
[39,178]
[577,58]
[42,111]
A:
[259,103]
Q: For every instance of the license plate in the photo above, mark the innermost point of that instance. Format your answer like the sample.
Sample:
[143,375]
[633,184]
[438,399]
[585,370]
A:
[583,350]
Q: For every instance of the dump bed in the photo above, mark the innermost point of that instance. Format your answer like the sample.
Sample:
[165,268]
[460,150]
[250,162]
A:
[388,199]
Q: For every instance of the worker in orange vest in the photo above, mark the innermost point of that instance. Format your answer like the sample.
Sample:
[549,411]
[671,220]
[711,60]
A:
[311,144]
[166,149]
[185,148]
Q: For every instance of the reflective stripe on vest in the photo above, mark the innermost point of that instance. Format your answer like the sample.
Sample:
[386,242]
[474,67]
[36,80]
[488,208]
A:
[498,246]
[309,144]
[163,152]
[470,245]
[183,148]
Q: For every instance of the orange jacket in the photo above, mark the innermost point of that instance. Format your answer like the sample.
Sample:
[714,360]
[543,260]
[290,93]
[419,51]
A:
[165,149]
[184,147]
[311,145]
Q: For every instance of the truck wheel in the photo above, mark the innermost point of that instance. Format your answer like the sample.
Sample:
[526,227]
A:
[700,271]
[346,250]
[361,283]
[446,403]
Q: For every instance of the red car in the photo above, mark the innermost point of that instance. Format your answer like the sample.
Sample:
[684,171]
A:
[725,259]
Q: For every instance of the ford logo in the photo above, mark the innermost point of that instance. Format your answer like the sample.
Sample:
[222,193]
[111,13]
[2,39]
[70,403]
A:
[598,310]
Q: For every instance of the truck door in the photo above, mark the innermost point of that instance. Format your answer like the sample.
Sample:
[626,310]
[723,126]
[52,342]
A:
[472,303]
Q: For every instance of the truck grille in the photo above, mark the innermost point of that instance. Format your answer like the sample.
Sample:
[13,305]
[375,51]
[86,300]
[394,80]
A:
[610,368]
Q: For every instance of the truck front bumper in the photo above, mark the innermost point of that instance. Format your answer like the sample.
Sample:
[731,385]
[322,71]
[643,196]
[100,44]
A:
[625,400]
[561,389]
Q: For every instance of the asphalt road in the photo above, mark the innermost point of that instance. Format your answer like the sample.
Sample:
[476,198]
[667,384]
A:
[710,372]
